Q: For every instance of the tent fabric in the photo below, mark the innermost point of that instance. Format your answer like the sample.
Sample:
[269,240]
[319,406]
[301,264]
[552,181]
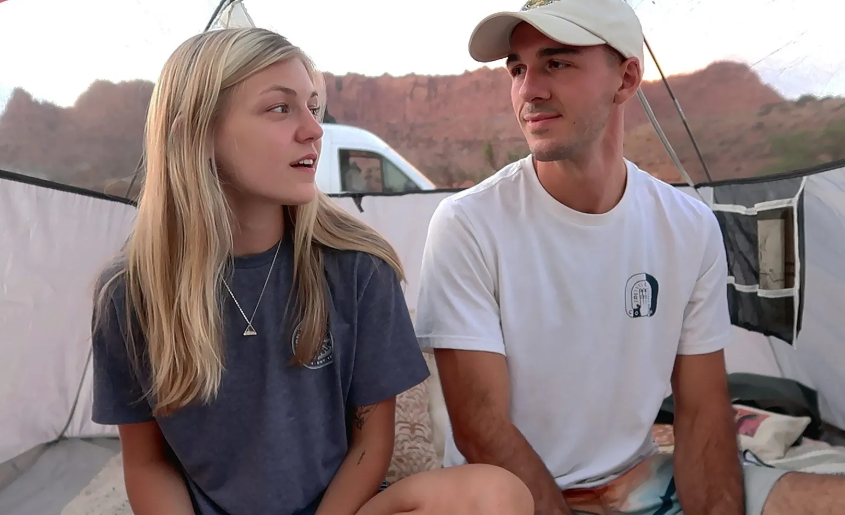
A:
[54,243]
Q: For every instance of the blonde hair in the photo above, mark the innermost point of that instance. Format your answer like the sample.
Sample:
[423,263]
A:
[175,258]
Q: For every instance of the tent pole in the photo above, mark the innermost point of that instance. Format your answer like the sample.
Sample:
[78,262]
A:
[222,5]
[135,175]
[677,105]
[666,144]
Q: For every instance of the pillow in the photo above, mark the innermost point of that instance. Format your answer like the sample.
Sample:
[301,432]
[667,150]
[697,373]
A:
[768,435]
[413,450]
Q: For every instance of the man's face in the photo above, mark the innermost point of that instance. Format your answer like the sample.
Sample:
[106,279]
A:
[562,96]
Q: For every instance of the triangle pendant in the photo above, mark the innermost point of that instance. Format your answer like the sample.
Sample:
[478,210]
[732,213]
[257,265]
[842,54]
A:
[249,331]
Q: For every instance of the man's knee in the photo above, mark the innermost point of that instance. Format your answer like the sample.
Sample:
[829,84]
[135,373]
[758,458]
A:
[800,492]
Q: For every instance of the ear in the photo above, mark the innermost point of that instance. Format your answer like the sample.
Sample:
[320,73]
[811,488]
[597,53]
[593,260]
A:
[632,76]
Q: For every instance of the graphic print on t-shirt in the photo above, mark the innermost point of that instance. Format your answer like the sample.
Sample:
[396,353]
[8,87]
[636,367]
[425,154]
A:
[641,296]
[326,354]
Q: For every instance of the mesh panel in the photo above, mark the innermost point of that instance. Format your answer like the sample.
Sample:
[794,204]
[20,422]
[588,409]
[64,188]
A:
[771,317]
[750,308]
[740,235]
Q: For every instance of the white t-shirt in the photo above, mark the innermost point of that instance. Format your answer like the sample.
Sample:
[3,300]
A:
[590,310]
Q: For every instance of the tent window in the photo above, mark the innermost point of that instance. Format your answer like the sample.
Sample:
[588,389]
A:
[776,248]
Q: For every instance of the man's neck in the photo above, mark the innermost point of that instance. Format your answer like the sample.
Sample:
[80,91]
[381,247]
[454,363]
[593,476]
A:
[593,184]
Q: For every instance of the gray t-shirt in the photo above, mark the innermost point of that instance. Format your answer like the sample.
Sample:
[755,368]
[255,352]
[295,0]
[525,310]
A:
[276,434]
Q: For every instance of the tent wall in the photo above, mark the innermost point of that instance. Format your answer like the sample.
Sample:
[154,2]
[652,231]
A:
[403,220]
[817,354]
[55,243]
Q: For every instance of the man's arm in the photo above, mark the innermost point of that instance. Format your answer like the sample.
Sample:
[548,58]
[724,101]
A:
[367,460]
[458,317]
[707,468]
[476,388]
[708,473]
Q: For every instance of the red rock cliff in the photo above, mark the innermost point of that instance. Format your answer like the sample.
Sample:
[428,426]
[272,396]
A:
[456,129]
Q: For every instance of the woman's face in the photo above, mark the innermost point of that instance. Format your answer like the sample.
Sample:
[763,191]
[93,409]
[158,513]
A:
[268,139]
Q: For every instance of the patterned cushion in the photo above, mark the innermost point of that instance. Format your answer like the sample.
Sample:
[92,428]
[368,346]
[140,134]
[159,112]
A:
[413,448]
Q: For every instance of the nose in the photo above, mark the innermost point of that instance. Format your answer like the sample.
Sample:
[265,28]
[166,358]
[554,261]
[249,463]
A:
[534,86]
[310,129]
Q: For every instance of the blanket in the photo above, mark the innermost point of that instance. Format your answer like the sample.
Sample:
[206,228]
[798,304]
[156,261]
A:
[810,456]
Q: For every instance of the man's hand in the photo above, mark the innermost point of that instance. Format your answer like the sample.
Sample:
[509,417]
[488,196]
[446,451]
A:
[476,388]
[708,473]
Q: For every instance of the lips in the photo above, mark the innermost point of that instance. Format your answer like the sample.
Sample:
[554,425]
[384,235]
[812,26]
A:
[539,117]
[306,161]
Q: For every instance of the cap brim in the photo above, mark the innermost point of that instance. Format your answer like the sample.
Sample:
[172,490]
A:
[490,41]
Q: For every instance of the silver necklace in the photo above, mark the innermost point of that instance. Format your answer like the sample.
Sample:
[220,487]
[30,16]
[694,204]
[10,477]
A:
[250,330]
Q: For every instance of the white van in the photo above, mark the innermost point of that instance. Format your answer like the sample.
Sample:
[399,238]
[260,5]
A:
[353,160]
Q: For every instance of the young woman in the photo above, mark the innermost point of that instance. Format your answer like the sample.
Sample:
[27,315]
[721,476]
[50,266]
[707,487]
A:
[251,339]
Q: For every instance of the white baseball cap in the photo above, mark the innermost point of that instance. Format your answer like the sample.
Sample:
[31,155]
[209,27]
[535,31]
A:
[569,22]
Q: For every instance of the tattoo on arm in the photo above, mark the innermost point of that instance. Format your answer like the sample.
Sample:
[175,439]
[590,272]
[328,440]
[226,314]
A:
[361,458]
[362,414]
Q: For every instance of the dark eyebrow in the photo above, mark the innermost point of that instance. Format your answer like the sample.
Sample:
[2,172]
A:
[285,90]
[547,52]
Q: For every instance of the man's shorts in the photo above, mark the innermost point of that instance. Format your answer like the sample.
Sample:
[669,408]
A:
[649,489]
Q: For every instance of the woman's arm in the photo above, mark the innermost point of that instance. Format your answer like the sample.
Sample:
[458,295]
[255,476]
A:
[387,362]
[366,463]
[154,486]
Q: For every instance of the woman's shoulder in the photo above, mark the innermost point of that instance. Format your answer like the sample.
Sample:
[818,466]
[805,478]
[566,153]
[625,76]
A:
[111,283]
[357,267]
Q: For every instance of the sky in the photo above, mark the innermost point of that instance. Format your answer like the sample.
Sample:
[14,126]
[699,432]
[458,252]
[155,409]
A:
[56,48]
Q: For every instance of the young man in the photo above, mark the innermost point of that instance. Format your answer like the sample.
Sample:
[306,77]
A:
[563,295]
